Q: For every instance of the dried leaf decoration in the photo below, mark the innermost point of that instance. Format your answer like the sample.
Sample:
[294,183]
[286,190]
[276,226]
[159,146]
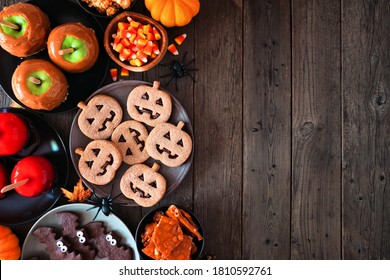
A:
[79,194]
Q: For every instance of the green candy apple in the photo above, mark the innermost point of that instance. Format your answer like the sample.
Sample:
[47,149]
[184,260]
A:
[43,86]
[19,21]
[78,46]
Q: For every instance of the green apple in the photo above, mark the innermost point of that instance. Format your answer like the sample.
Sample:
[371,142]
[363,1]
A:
[45,84]
[18,20]
[79,47]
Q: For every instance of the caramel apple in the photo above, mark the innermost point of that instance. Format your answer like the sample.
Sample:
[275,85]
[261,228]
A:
[73,47]
[39,85]
[23,29]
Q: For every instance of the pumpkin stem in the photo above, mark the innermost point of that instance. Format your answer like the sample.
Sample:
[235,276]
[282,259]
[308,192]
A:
[155,167]
[82,105]
[180,125]
[156,84]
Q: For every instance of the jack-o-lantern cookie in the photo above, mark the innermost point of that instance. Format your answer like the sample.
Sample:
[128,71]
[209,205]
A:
[99,117]
[169,144]
[130,137]
[99,161]
[143,184]
[150,105]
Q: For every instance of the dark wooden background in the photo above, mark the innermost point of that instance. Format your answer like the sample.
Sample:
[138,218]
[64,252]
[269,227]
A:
[291,119]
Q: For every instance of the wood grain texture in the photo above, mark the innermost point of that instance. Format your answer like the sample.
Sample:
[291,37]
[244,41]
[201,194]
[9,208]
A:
[366,129]
[218,125]
[267,129]
[316,141]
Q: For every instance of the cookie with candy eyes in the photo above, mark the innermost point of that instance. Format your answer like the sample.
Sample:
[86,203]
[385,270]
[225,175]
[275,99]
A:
[57,248]
[149,105]
[75,235]
[107,243]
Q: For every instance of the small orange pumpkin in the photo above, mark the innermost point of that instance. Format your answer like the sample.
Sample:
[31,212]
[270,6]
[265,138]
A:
[9,244]
[173,12]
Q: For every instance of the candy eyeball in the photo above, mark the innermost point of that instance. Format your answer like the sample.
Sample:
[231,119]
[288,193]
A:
[81,237]
[62,247]
[110,239]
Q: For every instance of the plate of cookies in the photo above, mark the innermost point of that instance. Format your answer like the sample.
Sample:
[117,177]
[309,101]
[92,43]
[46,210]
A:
[133,141]
[72,232]
[53,57]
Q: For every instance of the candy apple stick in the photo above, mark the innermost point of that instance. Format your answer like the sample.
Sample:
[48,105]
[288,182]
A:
[35,80]
[65,51]
[13,186]
[9,24]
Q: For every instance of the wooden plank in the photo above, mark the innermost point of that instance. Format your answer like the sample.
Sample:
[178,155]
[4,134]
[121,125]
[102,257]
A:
[366,129]
[267,130]
[218,125]
[316,129]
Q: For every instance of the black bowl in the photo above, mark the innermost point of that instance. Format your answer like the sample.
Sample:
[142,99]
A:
[148,218]
[93,11]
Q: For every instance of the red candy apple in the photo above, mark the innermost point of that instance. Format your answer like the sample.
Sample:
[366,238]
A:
[3,179]
[13,134]
[40,174]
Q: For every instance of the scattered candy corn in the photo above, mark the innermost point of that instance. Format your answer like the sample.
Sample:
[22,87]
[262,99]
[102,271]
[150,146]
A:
[124,72]
[172,48]
[180,39]
[135,42]
[114,74]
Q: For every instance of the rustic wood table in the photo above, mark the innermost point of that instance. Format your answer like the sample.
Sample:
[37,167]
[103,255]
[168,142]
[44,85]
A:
[291,120]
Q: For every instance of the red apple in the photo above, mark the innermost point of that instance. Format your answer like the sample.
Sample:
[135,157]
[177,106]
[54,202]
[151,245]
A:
[13,134]
[40,174]
[3,179]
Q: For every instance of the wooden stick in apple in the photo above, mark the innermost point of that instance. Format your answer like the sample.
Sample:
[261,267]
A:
[9,24]
[65,51]
[35,80]
[13,186]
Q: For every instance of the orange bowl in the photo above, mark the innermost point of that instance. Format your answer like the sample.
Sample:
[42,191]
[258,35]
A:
[112,29]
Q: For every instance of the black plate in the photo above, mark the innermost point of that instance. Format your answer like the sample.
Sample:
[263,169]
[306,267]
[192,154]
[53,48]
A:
[95,12]
[174,175]
[80,85]
[44,140]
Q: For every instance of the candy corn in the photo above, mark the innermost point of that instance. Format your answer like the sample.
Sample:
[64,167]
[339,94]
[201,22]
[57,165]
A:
[124,72]
[114,74]
[180,39]
[136,43]
[172,48]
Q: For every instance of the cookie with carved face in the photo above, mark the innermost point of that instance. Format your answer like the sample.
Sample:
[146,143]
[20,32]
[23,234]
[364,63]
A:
[130,137]
[149,105]
[143,184]
[169,144]
[99,161]
[99,117]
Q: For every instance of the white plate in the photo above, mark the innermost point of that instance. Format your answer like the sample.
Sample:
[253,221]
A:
[33,248]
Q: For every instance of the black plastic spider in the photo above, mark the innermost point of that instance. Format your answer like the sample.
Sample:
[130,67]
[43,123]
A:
[103,203]
[178,70]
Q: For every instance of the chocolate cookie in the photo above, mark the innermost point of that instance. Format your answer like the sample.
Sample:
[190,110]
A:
[99,117]
[143,184]
[169,144]
[58,248]
[99,161]
[75,235]
[130,137]
[149,104]
[107,243]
